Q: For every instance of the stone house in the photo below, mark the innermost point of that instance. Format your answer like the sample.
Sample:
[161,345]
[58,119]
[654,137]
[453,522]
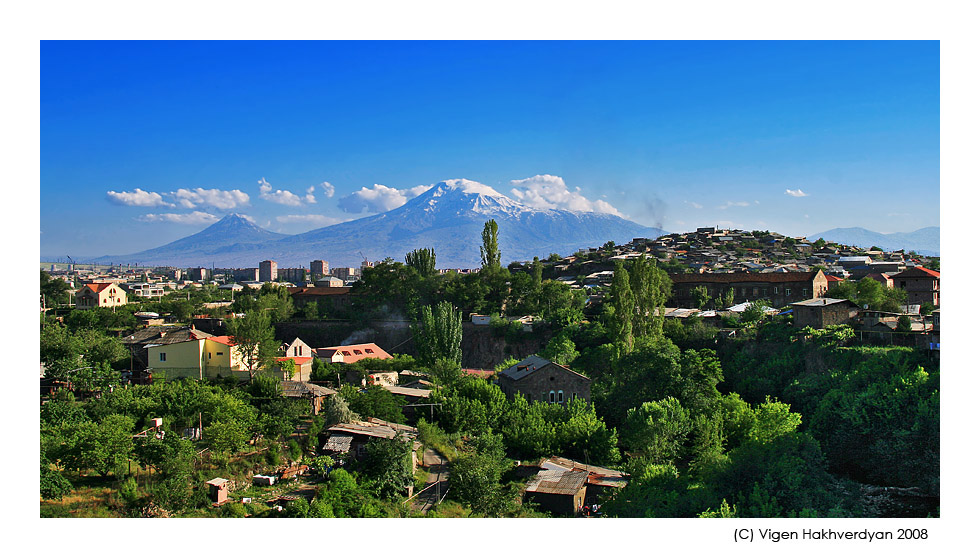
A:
[822,312]
[781,289]
[540,379]
[921,284]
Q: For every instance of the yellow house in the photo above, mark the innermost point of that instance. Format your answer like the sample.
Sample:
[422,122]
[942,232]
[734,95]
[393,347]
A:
[200,356]
[99,295]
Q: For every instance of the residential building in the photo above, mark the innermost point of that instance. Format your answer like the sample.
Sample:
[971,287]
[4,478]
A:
[538,378]
[296,275]
[350,353]
[146,290]
[822,312]
[780,289]
[200,355]
[337,298]
[319,268]
[921,284]
[268,271]
[327,281]
[197,273]
[99,295]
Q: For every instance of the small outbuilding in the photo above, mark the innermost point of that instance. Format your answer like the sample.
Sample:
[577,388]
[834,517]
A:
[218,490]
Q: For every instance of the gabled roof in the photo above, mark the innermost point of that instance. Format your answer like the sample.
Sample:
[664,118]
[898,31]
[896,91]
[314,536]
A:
[916,272]
[531,364]
[98,287]
[304,389]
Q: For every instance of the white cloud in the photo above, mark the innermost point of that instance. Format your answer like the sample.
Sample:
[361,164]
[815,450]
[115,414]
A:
[313,219]
[218,199]
[547,191]
[195,218]
[137,197]
[328,189]
[734,204]
[284,197]
[695,205]
[378,198]
[796,193]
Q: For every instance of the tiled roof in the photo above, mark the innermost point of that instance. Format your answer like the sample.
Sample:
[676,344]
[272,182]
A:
[304,389]
[223,339]
[353,353]
[99,287]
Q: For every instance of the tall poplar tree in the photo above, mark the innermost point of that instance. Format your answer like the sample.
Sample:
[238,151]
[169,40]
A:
[490,252]
[439,334]
[423,260]
[624,308]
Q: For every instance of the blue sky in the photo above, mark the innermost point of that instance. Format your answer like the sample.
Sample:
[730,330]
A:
[146,142]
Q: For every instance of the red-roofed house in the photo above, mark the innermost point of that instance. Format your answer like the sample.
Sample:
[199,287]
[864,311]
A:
[99,295]
[350,353]
[920,283]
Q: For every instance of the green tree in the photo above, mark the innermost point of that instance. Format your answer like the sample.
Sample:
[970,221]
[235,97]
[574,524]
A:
[254,340]
[388,466]
[439,334]
[422,260]
[53,291]
[651,288]
[490,252]
[624,308]
[103,447]
[701,296]
[560,349]
[657,429]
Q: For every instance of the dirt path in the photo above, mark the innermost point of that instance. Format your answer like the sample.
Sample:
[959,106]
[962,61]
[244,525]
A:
[436,484]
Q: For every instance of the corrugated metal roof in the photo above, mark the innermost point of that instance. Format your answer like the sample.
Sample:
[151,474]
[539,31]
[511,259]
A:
[557,481]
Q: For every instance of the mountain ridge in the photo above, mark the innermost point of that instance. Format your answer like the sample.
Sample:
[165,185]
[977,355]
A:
[449,217]
[925,241]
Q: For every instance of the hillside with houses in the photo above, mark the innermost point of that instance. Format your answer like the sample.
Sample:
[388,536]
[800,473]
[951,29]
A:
[714,373]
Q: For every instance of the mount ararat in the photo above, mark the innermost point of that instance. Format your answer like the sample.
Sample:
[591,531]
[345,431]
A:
[448,217]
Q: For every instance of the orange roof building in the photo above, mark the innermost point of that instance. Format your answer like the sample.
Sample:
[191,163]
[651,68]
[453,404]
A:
[351,353]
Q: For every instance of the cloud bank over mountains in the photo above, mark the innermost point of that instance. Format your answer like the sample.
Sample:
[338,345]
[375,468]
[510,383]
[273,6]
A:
[542,191]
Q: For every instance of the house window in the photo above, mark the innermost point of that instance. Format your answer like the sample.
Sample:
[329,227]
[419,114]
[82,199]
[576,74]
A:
[551,396]
[561,396]
[163,357]
[775,290]
[357,352]
[220,353]
[371,351]
[209,356]
[788,291]
[805,291]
